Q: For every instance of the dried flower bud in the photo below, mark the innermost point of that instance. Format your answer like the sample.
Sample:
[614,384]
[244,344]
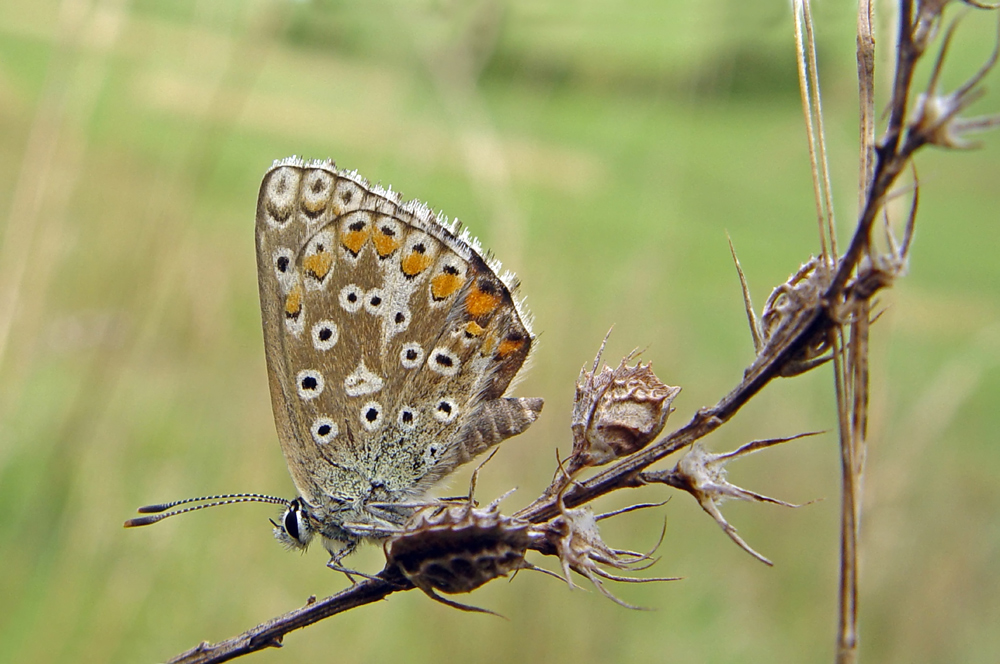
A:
[936,119]
[617,411]
[803,290]
[936,115]
[457,548]
[576,540]
[783,313]
[703,475]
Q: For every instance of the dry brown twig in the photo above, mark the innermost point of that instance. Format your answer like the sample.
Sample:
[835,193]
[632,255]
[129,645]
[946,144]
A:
[823,312]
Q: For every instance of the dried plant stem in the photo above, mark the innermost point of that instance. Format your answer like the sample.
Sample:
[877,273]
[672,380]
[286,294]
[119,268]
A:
[866,98]
[812,112]
[269,634]
[847,640]
[851,443]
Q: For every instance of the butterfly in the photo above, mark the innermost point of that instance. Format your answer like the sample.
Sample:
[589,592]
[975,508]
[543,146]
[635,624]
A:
[391,341]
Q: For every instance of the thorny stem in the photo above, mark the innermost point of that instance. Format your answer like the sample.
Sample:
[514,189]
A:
[891,157]
[269,634]
[906,58]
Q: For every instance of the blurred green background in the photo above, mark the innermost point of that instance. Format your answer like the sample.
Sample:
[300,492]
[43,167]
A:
[602,149]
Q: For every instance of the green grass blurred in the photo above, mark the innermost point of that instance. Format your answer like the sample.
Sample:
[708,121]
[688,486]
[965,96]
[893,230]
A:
[602,149]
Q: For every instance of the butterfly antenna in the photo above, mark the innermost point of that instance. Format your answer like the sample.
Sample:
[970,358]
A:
[159,512]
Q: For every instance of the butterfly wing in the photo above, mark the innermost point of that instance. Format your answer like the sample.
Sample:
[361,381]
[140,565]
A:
[390,339]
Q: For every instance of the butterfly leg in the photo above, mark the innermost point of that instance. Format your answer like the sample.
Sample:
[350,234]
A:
[336,558]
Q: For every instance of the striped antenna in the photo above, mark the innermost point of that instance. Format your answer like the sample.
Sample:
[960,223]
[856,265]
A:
[159,512]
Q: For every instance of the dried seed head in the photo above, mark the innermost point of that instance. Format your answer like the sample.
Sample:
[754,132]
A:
[617,411]
[936,115]
[703,475]
[457,548]
[802,291]
[576,540]
[783,313]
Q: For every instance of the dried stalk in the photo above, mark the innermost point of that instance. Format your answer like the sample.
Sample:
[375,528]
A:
[847,627]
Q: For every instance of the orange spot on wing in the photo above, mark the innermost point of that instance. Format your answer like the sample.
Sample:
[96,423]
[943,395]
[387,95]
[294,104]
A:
[318,264]
[385,244]
[354,240]
[474,329]
[509,346]
[445,284]
[479,303]
[414,263]
[293,302]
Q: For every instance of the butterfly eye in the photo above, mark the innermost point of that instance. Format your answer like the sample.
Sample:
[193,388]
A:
[291,522]
[295,530]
